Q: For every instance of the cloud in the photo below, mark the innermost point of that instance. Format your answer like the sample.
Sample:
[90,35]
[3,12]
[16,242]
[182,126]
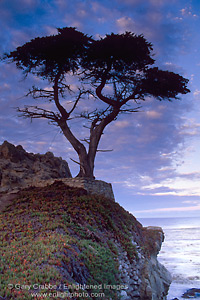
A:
[190,127]
[151,19]
[196,93]
[191,202]
[152,114]
[188,12]
[126,24]
[121,124]
[147,142]
[170,209]
[173,184]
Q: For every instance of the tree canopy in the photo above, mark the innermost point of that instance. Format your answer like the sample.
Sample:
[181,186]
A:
[117,70]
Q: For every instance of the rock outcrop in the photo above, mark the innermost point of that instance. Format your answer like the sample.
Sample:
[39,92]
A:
[147,279]
[158,278]
[94,187]
[19,168]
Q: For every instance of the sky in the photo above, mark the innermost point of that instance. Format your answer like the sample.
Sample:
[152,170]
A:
[154,167]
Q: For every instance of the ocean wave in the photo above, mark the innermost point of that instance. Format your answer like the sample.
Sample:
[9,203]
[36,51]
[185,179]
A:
[194,277]
[181,279]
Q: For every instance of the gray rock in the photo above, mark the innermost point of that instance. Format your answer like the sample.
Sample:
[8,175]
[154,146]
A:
[135,294]
[157,276]
[192,293]
[146,277]
[133,282]
[123,295]
[19,168]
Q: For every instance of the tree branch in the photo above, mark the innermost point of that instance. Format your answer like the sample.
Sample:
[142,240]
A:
[81,92]
[104,150]
[37,93]
[37,113]
[130,110]
[102,97]
[75,161]
[85,140]
[64,113]
[100,88]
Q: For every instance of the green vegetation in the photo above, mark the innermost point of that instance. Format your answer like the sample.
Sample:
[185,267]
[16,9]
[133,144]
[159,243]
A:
[101,264]
[61,236]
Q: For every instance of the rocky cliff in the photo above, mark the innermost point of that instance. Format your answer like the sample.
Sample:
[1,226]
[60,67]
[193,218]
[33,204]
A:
[67,244]
[19,168]
[64,239]
[157,275]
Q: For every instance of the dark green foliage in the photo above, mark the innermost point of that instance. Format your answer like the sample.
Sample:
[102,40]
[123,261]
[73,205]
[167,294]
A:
[120,55]
[163,84]
[101,265]
[51,55]
[117,57]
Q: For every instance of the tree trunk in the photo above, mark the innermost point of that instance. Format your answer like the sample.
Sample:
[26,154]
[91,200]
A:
[85,161]
[86,167]
[86,164]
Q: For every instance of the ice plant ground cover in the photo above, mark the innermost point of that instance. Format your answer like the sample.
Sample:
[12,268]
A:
[50,233]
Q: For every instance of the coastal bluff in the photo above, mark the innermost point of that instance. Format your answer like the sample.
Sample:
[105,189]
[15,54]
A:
[81,241]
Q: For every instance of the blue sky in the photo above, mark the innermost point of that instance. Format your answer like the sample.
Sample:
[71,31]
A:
[154,166]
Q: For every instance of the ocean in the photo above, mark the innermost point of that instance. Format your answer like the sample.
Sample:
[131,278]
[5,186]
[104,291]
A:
[180,252]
